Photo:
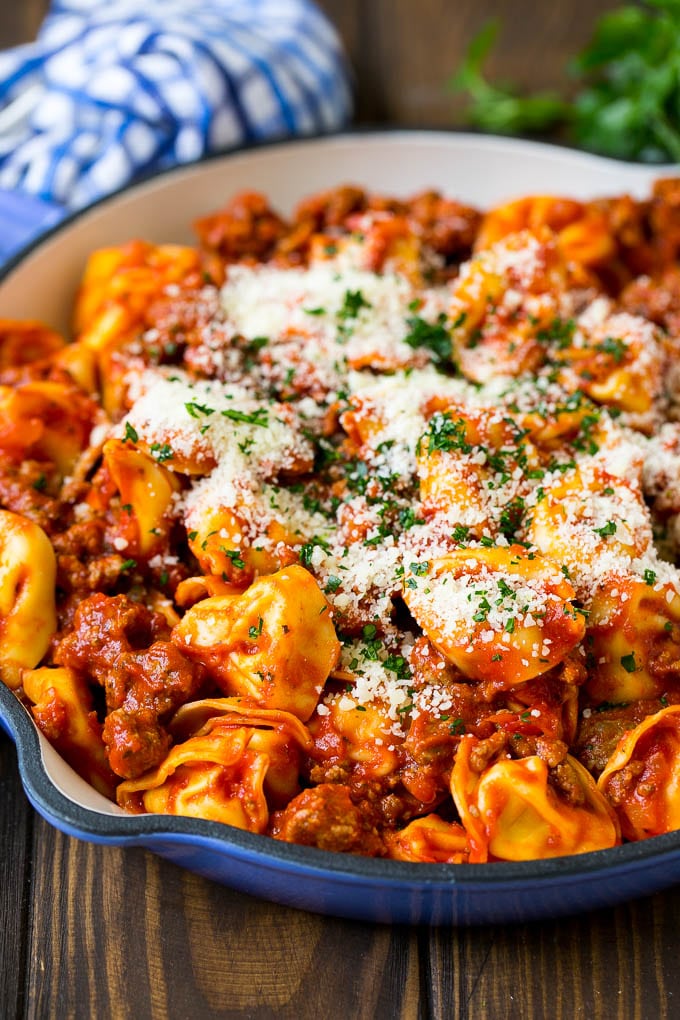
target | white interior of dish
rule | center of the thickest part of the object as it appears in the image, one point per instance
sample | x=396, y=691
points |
x=71, y=785
x=475, y=169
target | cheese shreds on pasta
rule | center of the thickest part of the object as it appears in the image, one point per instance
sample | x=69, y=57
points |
x=361, y=530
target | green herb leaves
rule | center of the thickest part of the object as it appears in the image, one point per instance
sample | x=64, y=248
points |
x=498, y=108
x=434, y=336
x=628, y=100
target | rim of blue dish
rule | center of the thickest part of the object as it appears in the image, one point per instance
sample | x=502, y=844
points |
x=147, y=830
x=356, y=131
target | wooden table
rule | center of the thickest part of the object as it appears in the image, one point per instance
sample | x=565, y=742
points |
x=87, y=931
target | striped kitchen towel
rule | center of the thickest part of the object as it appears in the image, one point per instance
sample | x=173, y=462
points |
x=114, y=89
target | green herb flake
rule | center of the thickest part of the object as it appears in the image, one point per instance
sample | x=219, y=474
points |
x=162, y=452
x=255, y=632
x=432, y=336
x=614, y=347
x=131, y=435
x=196, y=410
x=259, y=417
x=235, y=556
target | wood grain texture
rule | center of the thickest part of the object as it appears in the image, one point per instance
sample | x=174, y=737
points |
x=122, y=933
x=600, y=966
x=404, y=53
x=16, y=822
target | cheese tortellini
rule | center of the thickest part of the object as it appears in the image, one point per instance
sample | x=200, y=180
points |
x=498, y=614
x=358, y=529
x=27, y=599
x=275, y=643
x=518, y=809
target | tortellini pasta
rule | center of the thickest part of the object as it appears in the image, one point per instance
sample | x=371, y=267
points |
x=497, y=614
x=275, y=643
x=634, y=640
x=219, y=774
x=63, y=708
x=27, y=599
x=642, y=777
x=357, y=529
x=430, y=840
x=513, y=812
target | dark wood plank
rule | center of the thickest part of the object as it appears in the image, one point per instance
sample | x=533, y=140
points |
x=19, y=22
x=15, y=864
x=404, y=53
x=615, y=963
x=122, y=933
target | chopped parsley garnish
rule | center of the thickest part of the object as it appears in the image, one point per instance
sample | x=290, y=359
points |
x=255, y=632
x=560, y=332
x=433, y=336
x=628, y=662
x=512, y=518
x=650, y=577
x=130, y=433
x=257, y=343
x=446, y=434
x=352, y=304
x=408, y=519
x=584, y=441
x=397, y=664
x=606, y=706
x=162, y=452
x=259, y=417
x=235, y=556
x=306, y=551
x=614, y=347
x=607, y=529
x=195, y=409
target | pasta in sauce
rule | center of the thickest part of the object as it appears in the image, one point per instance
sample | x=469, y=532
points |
x=359, y=530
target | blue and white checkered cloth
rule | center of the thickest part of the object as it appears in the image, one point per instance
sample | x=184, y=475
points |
x=108, y=93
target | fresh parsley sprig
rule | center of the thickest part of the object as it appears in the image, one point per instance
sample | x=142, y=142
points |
x=627, y=101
